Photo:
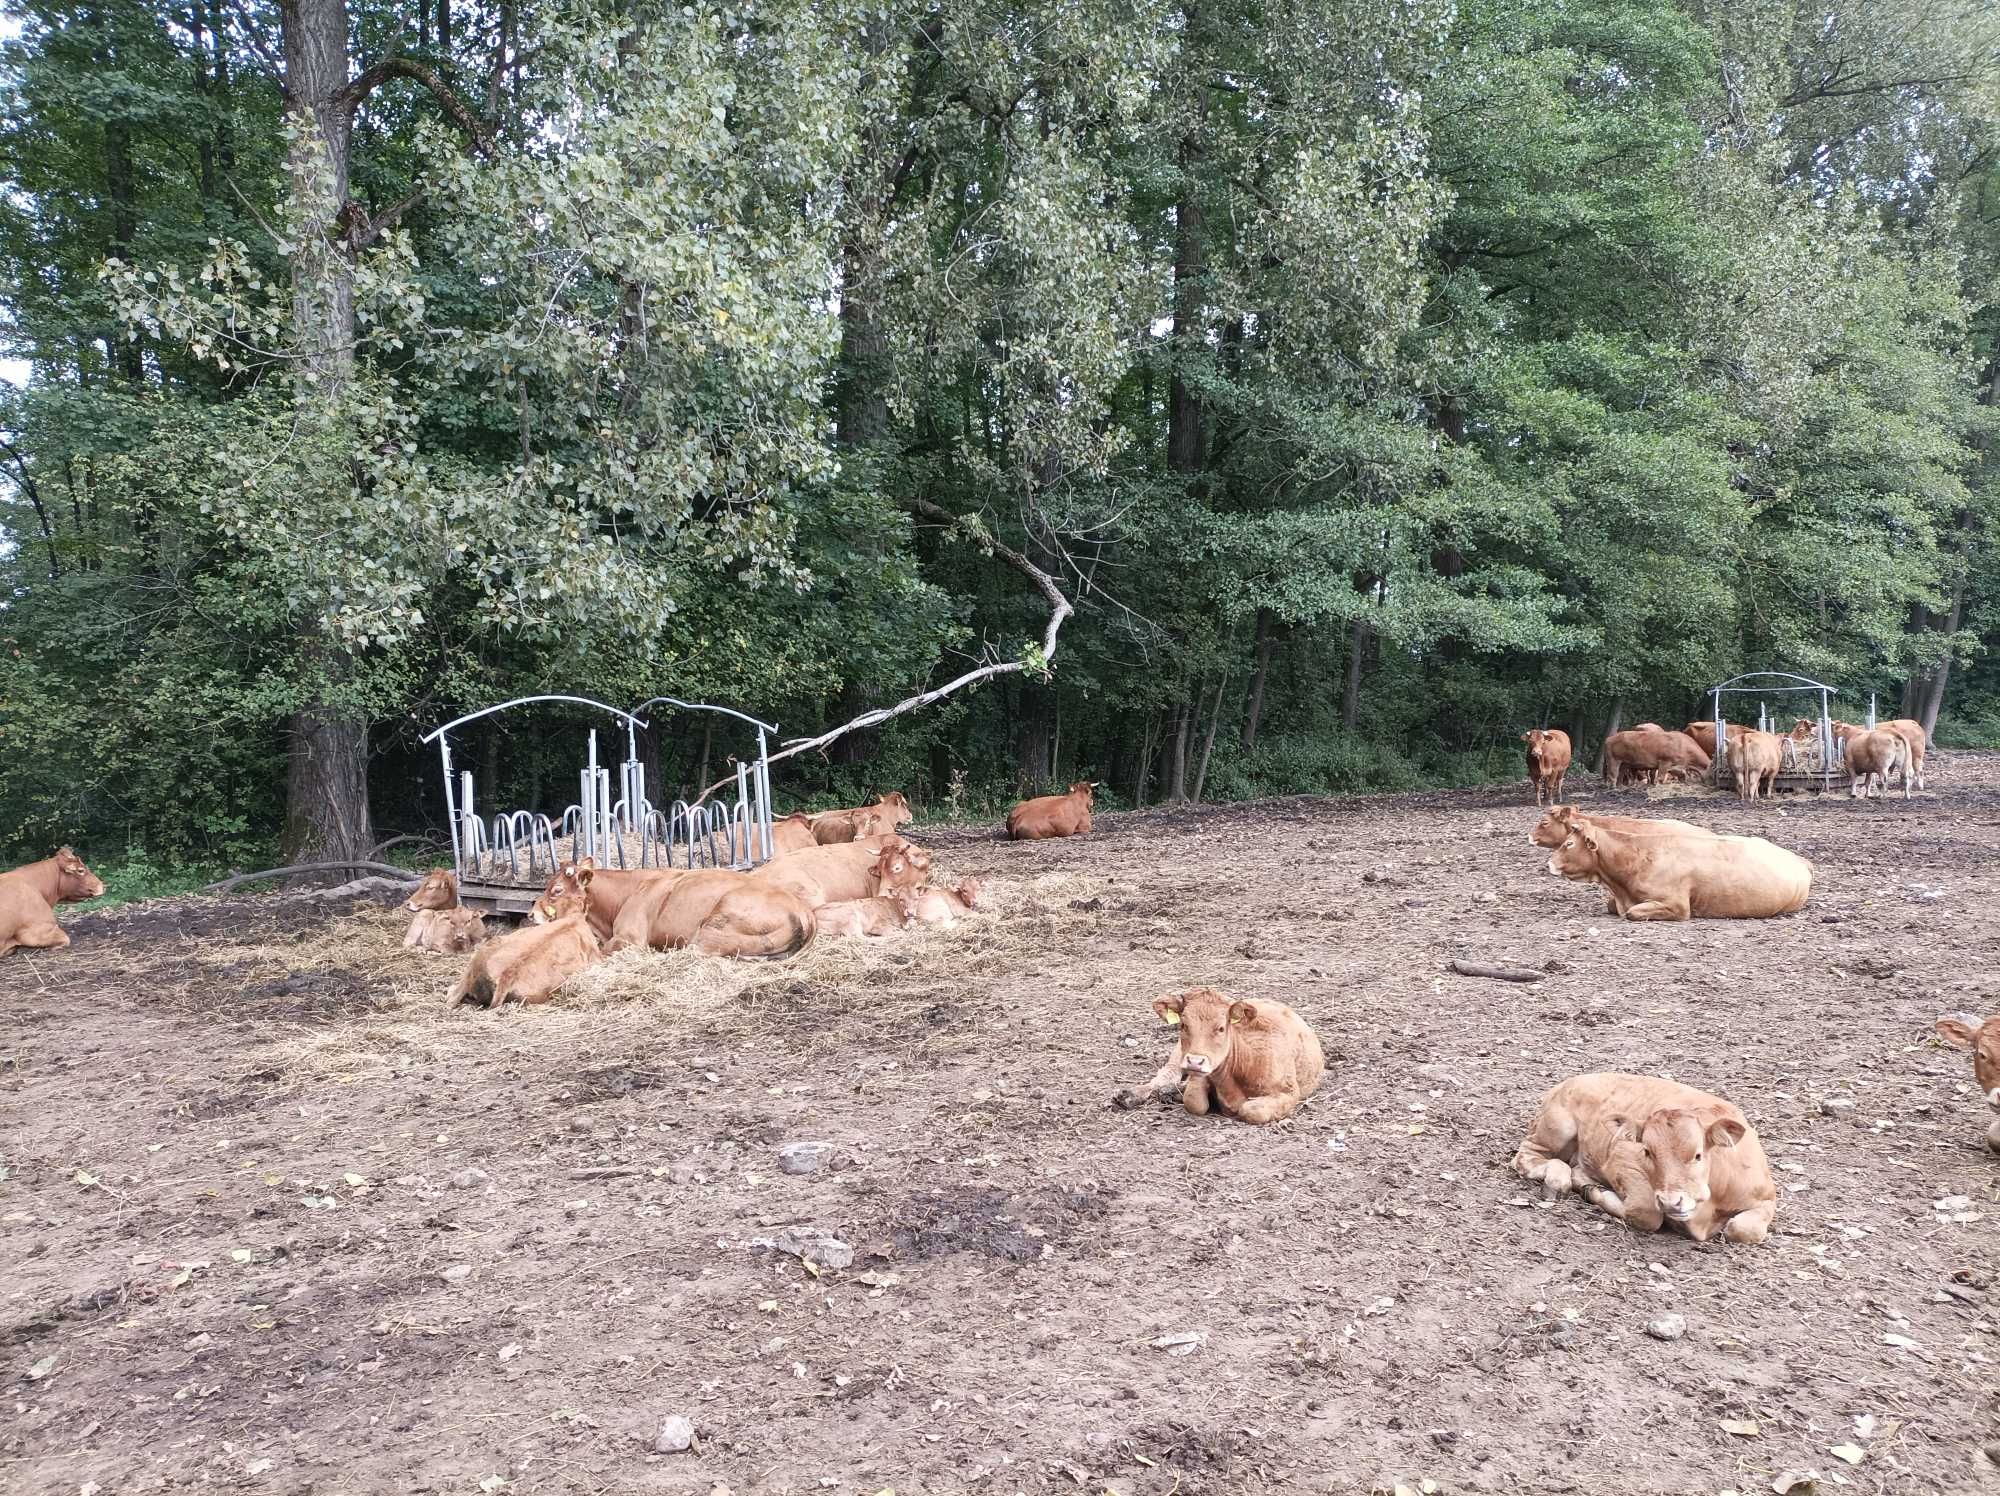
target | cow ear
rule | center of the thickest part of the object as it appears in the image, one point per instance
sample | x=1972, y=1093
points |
x=1242, y=1014
x=584, y=874
x=587, y=865
x=1588, y=840
x=1725, y=1132
x=1527, y=737
x=1169, y=1009
x=1956, y=1031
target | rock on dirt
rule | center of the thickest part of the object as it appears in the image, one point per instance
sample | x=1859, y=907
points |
x=469, y=1179
x=803, y=1158
x=676, y=1434
x=821, y=1248
x=1837, y=1106
x=1667, y=1327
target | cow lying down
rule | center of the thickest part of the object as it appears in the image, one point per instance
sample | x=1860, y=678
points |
x=890, y=913
x=1674, y=875
x=530, y=963
x=1257, y=1060
x=1652, y=1152
x=1983, y=1039
x=442, y=923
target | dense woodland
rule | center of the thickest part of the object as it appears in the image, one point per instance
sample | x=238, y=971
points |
x=1356, y=383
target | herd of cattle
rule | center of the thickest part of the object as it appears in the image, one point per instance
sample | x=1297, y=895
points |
x=1655, y=754
x=1646, y=1150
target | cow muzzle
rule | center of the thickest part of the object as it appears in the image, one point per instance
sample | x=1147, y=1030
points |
x=1677, y=1207
x=1200, y=1064
x=1993, y=1098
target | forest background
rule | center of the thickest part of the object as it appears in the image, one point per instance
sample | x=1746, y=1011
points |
x=1267, y=397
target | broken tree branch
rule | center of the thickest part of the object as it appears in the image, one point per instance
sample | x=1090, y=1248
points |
x=973, y=529
x=1498, y=973
x=449, y=99
x=402, y=873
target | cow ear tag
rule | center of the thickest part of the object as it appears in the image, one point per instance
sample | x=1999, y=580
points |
x=1170, y=1017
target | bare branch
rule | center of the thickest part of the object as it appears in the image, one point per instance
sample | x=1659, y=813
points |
x=34, y=493
x=449, y=99
x=1059, y=612
x=366, y=234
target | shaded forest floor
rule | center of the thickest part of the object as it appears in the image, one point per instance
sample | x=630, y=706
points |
x=275, y=1221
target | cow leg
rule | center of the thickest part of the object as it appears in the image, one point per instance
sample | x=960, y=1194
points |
x=1659, y=909
x=47, y=935
x=1753, y=1225
x=1162, y=1087
x=1195, y=1095
x=1542, y=1154
x=1993, y=1137
x=1265, y=1109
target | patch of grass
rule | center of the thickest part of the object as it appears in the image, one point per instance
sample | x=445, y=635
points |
x=138, y=877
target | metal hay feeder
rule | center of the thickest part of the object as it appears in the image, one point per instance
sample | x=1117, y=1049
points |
x=503, y=860
x=1822, y=767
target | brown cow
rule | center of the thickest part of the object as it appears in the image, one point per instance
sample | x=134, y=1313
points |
x=1873, y=759
x=606, y=892
x=1257, y=1060
x=829, y=875
x=1703, y=734
x=1912, y=734
x=1983, y=1039
x=1647, y=750
x=832, y=827
x=29, y=895
x=1048, y=816
x=1756, y=759
x=1563, y=821
x=931, y=905
x=885, y=914
x=442, y=923
x=1650, y=1151
x=720, y=912
x=1548, y=761
x=1677, y=877
x=530, y=963
x=792, y=833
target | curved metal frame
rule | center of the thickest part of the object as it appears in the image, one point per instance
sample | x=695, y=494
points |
x=1735, y=686
x=719, y=833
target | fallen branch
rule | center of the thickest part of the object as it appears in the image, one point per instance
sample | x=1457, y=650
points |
x=1498, y=973
x=1059, y=613
x=402, y=874
x=396, y=841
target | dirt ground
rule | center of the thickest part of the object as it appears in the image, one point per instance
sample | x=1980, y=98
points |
x=273, y=1220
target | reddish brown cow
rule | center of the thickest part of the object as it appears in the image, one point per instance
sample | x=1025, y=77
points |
x=1053, y=815
x=1548, y=761
x=1650, y=1151
x=1703, y=734
x=530, y=963
x=1257, y=1060
x=1911, y=733
x=1873, y=758
x=442, y=923
x=29, y=895
x=719, y=912
x=832, y=827
x=1647, y=750
x=1983, y=1039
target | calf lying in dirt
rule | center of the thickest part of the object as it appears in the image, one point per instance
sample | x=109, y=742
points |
x=1676, y=876
x=880, y=915
x=1652, y=1151
x=1983, y=1039
x=1256, y=1060
x=530, y=963
x=931, y=905
x=442, y=923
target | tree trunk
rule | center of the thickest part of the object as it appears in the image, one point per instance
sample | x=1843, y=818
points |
x=326, y=814
x=1610, y=726
x=1208, y=744
x=1141, y=781
x=444, y=25
x=1031, y=747
x=1358, y=638
x=1253, y=708
x=861, y=403
x=1177, y=762
x=1185, y=437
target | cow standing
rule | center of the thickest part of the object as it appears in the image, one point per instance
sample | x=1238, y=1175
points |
x=1548, y=761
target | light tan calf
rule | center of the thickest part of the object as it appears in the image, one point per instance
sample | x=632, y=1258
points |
x=1257, y=1060
x=1650, y=1152
x=442, y=923
x=1983, y=1039
x=885, y=914
x=931, y=905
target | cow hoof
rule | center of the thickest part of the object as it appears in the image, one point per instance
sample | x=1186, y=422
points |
x=1127, y=1100
x=1557, y=1180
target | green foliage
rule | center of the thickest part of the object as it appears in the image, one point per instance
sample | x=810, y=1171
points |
x=1419, y=372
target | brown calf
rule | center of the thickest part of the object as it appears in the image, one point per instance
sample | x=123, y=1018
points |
x=1983, y=1039
x=442, y=923
x=530, y=963
x=1257, y=1060
x=1053, y=815
x=1548, y=761
x=1650, y=1152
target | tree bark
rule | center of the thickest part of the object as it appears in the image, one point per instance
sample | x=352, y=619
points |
x=861, y=404
x=1253, y=708
x=1142, y=781
x=1177, y=763
x=1358, y=638
x=1610, y=726
x=1186, y=439
x=1208, y=744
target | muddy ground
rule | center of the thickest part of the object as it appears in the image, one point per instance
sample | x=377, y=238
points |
x=274, y=1221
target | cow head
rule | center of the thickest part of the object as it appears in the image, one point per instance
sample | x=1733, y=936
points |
x=568, y=892
x=1208, y=1022
x=1804, y=730
x=874, y=821
x=1556, y=827
x=1576, y=858
x=1676, y=1143
x=1085, y=790
x=907, y=901
x=74, y=881
x=968, y=893
x=439, y=890
x=894, y=810
x=901, y=865
x=1983, y=1039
